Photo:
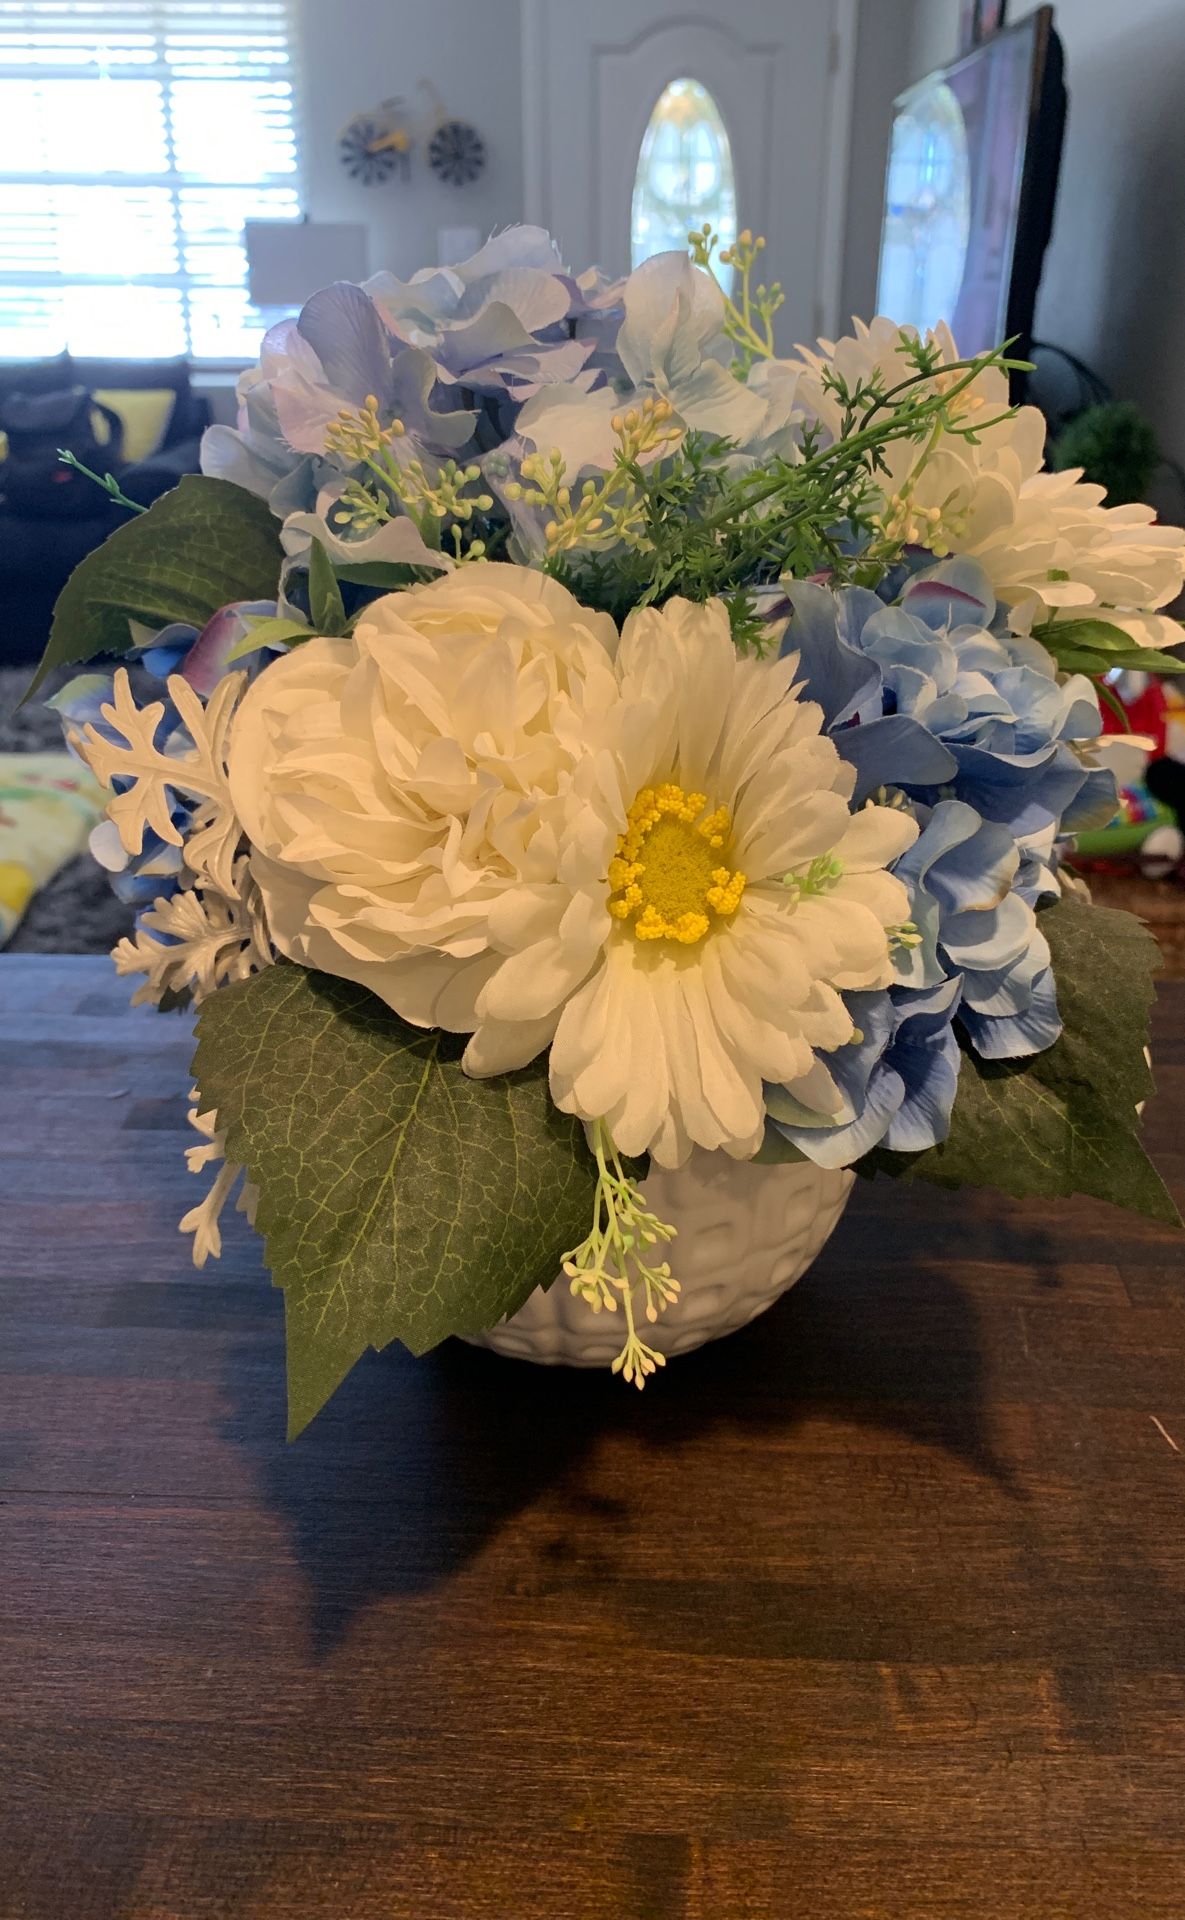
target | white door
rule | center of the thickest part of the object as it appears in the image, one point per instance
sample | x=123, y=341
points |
x=779, y=72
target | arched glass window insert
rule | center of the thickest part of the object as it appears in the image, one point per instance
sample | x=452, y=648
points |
x=927, y=211
x=684, y=176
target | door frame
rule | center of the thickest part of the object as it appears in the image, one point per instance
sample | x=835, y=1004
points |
x=738, y=73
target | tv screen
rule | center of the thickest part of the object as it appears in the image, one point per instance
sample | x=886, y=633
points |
x=969, y=191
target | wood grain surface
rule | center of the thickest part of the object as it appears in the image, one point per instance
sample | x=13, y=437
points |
x=875, y=1611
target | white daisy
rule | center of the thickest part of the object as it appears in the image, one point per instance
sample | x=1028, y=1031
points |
x=713, y=896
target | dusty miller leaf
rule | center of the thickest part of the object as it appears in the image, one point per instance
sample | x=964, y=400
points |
x=400, y=1200
x=1063, y=1121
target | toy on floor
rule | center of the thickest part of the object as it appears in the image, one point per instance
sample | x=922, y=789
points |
x=1147, y=829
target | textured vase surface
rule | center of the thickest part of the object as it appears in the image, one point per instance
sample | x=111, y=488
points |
x=745, y=1234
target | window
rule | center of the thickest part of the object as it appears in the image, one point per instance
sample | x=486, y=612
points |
x=136, y=136
x=684, y=176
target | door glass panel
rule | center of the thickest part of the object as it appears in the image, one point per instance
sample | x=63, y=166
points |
x=684, y=176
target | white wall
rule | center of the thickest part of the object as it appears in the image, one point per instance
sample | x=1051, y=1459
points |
x=882, y=68
x=354, y=55
x=1113, y=289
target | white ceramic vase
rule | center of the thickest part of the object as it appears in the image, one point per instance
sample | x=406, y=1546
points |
x=745, y=1234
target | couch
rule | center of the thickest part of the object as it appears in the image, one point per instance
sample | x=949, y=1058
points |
x=38, y=555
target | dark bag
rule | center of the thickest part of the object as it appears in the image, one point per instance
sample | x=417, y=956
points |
x=33, y=480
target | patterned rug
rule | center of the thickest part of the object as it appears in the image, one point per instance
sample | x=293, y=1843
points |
x=77, y=911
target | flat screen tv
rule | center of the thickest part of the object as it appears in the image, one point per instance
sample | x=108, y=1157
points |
x=970, y=188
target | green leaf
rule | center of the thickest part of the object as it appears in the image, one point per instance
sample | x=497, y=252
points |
x=1082, y=660
x=776, y=1151
x=1063, y=1121
x=1155, y=661
x=1101, y=636
x=1096, y=646
x=399, y=1199
x=1148, y=660
x=266, y=632
x=325, y=596
x=1110, y=698
x=1137, y=660
x=197, y=548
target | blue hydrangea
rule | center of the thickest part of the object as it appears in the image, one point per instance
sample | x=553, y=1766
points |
x=671, y=346
x=972, y=925
x=897, y=1079
x=925, y=697
x=972, y=731
x=976, y=958
x=452, y=353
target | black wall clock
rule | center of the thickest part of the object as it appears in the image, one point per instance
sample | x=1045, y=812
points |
x=375, y=146
x=456, y=153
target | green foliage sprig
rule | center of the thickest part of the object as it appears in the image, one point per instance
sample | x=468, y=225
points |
x=107, y=482
x=704, y=524
x=437, y=496
x=748, y=319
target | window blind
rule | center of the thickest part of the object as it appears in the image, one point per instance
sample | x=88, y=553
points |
x=136, y=136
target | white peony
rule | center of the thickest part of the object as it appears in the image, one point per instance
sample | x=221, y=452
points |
x=394, y=785
x=649, y=865
x=1045, y=540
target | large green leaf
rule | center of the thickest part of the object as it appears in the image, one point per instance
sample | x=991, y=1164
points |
x=200, y=546
x=1063, y=1121
x=400, y=1200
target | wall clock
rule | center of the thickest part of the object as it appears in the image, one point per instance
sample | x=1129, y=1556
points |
x=456, y=153
x=376, y=145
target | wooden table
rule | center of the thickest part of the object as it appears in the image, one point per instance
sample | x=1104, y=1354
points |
x=877, y=1609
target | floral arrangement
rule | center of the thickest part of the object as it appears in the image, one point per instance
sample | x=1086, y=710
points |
x=567, y=735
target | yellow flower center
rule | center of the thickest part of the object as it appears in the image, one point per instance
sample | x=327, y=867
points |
x=666, y=874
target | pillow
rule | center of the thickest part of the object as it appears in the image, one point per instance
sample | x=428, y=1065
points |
x=145, y=412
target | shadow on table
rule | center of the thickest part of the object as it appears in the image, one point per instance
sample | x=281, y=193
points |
x=416, y=1464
